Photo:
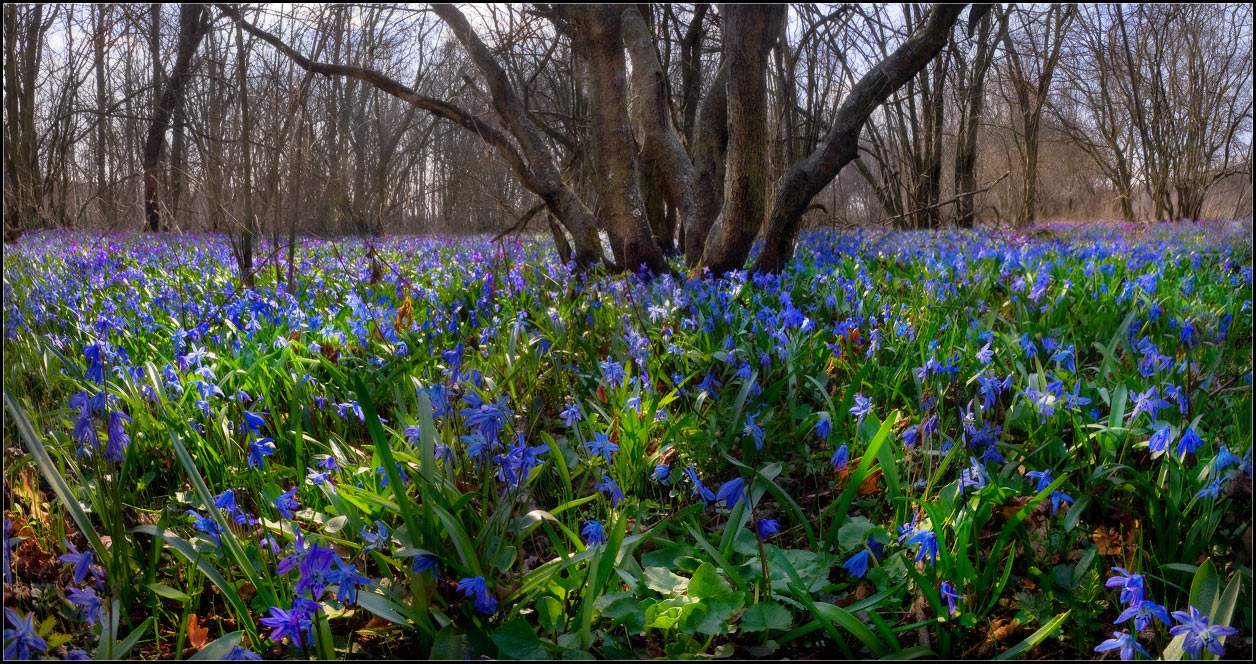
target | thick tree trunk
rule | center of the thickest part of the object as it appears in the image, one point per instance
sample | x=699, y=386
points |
x=193, y=24
x=664, y=161
x=756, y=28
x=23, y=207
x=840, y=145
x=709, y=149
x=614, y=150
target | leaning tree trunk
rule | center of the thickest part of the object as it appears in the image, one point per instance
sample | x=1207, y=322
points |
x=755, y=28
x=840, y=145
x=193, y=24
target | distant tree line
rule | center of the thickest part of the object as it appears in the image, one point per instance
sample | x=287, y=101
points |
x=638, y=128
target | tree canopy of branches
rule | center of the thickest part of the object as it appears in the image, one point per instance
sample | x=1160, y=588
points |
x=626, y=131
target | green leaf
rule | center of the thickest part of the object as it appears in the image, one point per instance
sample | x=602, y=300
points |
x=383, y=607
x=1205, y=586
x=517, y=640
x=853, y=533
x=217, y=649
x=716, y=596
x=664, y=582
x=51, y=475
x=1034, y=639
x=451, y=645
x=122, y=648
x=170, y=593
x=764, y=616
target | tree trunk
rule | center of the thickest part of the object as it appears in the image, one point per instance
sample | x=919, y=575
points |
x=973, y=96
x=709, y=149
x=248, y=233
x=101, y=14
x=840, y=145
x=193, y=24
x=614, y=150
x=756, y=28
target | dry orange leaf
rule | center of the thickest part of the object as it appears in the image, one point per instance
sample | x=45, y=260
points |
x=197, y=635
x=869, y=486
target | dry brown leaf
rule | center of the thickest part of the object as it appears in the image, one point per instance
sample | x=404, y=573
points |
x=197, y=635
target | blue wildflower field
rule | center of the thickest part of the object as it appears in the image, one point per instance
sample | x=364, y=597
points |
x=910, y=444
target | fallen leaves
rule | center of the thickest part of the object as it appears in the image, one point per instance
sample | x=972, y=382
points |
x=197, y=636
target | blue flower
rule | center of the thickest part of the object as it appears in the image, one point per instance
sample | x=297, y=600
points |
x=262, y=447
x=225, y=500
x=699, y=489
x=593, y=533
x=1126, y=642
x=662, y=472
x=347, y=580
x=1213, y=490
x=253, y=422
x=754, y=431
x=571, y=415
x=477, y=587
x=78, y=655
x=426, y=562
x=241, y=654
x=205, y=525
x=608, y=486
x=23, y=640
x=92, y=605
x=1131, y=585
x=732, y=492
x=316, y=570
x=824, y=425
x=602, y=445
x=82, y=562
x=840, y=458
x=928, y=542
x=863, y=405
x=1188, y=443
x=767, y=527
x=287, y=503
x=1160, y=436
x=374, y=540
x=290, y=623
x=950, y=593
x=1143, y=612
x=1225, y=458
x=1198, y=634
x=857, y=564
x=118, y=438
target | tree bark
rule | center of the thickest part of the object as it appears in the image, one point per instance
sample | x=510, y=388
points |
x=973, y=95
x=709, y=149
x=756, y=28
x=619, y=194
x=840, y=145
x=193, y=24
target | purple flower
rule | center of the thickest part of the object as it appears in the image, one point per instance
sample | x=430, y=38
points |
x=928, y=542
x=206, y=525
x=241, y=654
x=118, y=438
